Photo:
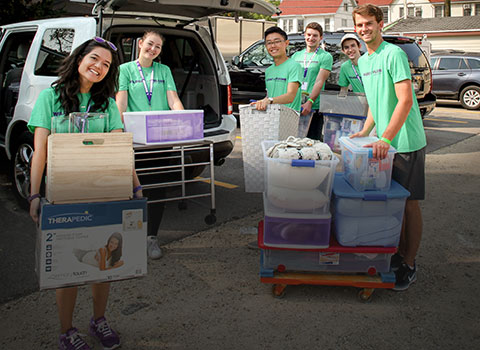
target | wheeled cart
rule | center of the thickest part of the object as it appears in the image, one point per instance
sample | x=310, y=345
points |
x=177, y=165
x=367, y=268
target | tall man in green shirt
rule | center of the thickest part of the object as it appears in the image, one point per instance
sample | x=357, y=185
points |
x=349, y=71
x=283, y=77
x=394, y=111
x=317, y=65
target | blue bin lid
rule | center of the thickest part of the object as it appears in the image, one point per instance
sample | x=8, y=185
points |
x=342, y=188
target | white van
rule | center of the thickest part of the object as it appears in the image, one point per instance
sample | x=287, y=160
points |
x=31, y=52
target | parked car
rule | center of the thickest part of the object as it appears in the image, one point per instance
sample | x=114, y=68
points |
x=31, y=52
x=456, y=76
x=247, y=70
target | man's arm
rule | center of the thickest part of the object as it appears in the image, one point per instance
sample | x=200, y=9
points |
x=322, y=76
x=403, y=90
x=286, y=98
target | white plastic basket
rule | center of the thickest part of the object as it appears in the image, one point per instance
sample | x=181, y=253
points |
x=276, y=123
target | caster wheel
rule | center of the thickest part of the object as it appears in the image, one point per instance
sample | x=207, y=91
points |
x=278, y=290
x=182, y=205
x=365, y=295
x=210, y=219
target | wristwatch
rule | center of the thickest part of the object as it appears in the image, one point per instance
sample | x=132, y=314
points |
x=270, y=100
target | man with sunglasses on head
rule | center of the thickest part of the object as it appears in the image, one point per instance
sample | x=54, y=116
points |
x=316, y=64
x=283, y=77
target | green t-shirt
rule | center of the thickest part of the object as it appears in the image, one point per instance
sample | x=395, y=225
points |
x=314, y=62
x=278, y=77
x=349, y=77
x=380, y=71
x=48, y=106
x=131, y=81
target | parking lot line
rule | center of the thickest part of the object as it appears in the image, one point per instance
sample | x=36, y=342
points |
x=221, y=184
x=445, y=121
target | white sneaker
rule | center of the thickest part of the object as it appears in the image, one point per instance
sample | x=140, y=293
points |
x=153, y=250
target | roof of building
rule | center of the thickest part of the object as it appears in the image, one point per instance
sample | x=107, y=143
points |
x=308, y=7
x=376, y=2
x=432, y=25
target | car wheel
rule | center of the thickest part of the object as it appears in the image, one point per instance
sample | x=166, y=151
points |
x=470, y=97
x=20, y=168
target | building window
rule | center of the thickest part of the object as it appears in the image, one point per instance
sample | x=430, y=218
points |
x=327, y=24
x=345, y=6
x=385, y=14
x=438, y=11
x=418, y=12
x=401, y=13
x=410, y=11
x=477, y=10
x=344, y=22
x=300, y=25
x=289, y=25
x=467, y=9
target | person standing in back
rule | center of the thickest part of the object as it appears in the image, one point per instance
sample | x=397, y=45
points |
x=349, y=71
x=316, y=64
x=394, y=111
x=283, y=77
x=146, y=85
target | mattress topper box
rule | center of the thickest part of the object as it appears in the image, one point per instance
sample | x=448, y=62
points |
x=91, y=242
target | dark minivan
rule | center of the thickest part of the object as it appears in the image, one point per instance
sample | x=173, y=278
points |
x=247, y=70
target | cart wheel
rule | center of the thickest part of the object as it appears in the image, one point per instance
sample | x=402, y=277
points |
x=210, y=219
x=278, y=290
x=365, y=295
x=182, y=205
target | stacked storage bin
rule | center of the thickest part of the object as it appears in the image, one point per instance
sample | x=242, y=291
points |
x=297, y=210
x=367, y=223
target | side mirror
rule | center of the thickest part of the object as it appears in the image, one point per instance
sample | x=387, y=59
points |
x=236, y=61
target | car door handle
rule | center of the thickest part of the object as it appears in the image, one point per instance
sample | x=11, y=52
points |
x=461, y=74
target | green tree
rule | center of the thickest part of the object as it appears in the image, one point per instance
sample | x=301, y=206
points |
x=250, y=15
x=12, y=11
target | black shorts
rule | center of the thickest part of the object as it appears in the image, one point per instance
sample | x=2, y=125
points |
x=409, y=171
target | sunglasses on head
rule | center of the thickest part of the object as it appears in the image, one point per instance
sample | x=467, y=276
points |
x=102, y=40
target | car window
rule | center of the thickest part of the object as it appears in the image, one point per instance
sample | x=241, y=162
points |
x=414, y=53
x=433, y=60
x=257, y=57
x=449, y=63
x=473, y=63
x=56, y=45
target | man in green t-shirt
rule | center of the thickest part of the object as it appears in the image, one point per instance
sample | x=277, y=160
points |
x=349, y=71
x=317, y=65
x=394, y=111
x=283, y=77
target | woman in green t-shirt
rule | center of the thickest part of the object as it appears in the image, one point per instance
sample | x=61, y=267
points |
x=146, y=85
x=87, y=79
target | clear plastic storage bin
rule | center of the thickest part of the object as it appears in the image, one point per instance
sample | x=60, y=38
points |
x=297, y=233
x=298, y=186
x=337, y=125
x=335, y=258
x=363, y=171
x=79, y=122
x=369, y=218
x=164, y=126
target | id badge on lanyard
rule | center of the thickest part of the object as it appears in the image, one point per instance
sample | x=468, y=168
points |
x=304, y=86
x=148, y=92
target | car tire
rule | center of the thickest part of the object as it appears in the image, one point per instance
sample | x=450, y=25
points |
x=470, y=97
x=20, y=168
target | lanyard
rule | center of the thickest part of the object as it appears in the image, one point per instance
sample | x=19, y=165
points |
x=305, y=65
x=147, y=91
x=356, y=73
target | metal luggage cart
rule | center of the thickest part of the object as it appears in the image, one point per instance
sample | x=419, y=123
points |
x=173, y=165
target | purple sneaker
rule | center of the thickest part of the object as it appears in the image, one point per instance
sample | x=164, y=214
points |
x=72, y=340
x=102, y=331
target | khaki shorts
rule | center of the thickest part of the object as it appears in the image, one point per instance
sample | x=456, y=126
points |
x=409, y=171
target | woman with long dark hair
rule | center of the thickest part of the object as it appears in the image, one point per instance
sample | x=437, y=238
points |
x=87, y=80
x=106, y=257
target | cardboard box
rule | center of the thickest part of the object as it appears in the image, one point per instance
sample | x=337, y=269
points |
x=73, y=238
x=155, y=127
x=89, y=167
